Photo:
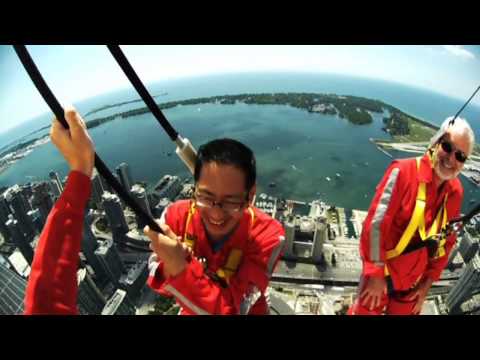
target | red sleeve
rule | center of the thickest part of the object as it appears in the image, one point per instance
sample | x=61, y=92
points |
x=199, y=293
x=436, y=265
x=379, y=220
x=52, y=285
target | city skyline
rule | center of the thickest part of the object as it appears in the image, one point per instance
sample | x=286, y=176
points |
x=449, y=70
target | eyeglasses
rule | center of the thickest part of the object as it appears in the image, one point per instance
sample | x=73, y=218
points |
x=448, y=148
x=230, y=207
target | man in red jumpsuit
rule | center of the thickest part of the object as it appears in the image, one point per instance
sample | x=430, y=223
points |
x=234, y=246
x=221, y=260
x=396, y=280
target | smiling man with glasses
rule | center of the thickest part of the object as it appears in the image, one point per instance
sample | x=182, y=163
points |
x=218, y=251
x=414, y=201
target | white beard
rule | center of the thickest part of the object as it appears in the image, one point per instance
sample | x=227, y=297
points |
x=442, y=175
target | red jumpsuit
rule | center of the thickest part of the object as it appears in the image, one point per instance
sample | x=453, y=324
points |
x=52, y=286
x=261, y=244
x=387, y=219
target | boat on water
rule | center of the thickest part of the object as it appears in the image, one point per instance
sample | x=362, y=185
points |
x=327, y=178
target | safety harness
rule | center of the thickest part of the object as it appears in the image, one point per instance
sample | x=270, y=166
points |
x=224, y=273
x=417, y=222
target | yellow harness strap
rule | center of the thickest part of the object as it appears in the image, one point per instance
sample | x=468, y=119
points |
x=418, y=222
x=234, y=257
x=188, y=238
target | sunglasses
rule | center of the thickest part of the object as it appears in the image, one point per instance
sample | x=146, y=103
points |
x=448, y=148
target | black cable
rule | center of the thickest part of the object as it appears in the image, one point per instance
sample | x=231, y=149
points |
x=463, y=107
x=57, y=109
x=142, y=91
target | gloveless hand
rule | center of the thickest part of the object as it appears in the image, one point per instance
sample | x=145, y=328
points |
x=74, y=143
x=168, y=249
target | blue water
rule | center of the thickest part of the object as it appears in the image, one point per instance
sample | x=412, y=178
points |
x=295, y=149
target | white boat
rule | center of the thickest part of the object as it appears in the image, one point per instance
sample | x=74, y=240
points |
x=328, y=179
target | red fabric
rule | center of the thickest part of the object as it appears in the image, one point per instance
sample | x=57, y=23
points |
x=388, y=306
x=406, y=269
x=201, y=292
x=52, y=285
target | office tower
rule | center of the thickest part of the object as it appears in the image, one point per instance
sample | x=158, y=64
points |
x=319, y=237
x=169, y=186
x=110, y=259
x=161, y=206
x=90, y=299
x=37, y=220
x=20, y=239
x=12, y=292
x=123, y=172
x=465, y=287
x=115, y=215
x=119, y=304
x=97, y=190
x=42, y=200
x=140, y=196
x=135, y=279
x=56, y=184
x=89, y=246
x=468, y=247
x=290, y=237
x=20, y=207
x=4, y=212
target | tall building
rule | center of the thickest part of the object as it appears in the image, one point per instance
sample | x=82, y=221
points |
x=135, y=279
x=169, y=186
x=465, y=287
x=97, y=190
x=468, y=247
x=90, y=299
x=89, y=246
x=20, y=207
x=119, y=304
x=106, y=186
x=140, y=195
x=56, y=184
x=319, y=237
x=110, y=259
x=290, y=237
x=123, y=172
x=160, y=207
x=4, y=212
x=12, y=292
x=37, y=220
x=20, y=239
x=114, y=212
x=42, y=200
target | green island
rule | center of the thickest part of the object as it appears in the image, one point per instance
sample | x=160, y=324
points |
x=355, y=109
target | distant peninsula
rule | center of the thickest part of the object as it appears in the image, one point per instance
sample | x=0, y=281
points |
x=357, y=110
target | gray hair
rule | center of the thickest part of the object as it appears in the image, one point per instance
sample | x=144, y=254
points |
x=460, y=126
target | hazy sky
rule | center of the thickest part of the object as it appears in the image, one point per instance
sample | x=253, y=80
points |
x=77, y=72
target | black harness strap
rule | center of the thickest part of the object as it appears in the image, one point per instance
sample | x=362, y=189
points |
x=142, y=91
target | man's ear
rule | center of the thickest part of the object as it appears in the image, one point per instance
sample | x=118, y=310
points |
x=251, y=194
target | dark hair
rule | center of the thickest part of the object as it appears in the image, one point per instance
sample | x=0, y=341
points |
x=228, y=152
